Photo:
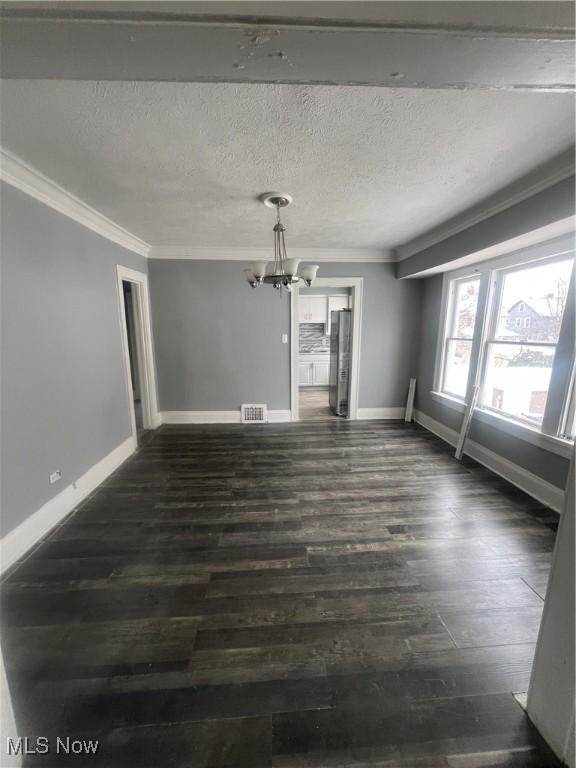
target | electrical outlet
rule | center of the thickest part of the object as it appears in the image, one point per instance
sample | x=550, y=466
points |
x=55, y=476
x=284, y=338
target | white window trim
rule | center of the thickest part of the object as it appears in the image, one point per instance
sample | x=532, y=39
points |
x=446, y=314
x=559, y=445
x=554, y=249
x=568, y=414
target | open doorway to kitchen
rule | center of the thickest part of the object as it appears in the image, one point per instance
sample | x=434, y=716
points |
x=325, y=346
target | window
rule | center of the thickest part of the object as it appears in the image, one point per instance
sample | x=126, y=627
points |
x=519, y=363
x=510, y=350
x=458, y=347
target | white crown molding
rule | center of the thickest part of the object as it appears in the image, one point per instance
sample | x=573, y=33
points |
x=237, y=253
x=535, y=182
x=534, y=486
x=19, y=174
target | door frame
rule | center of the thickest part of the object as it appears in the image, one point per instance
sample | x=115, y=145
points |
x=144, y=348
x=356, y=284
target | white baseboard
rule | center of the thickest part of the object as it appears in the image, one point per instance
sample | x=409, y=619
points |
x=381, y=413
x=534, y=486
x=215, y=417
x=18, y=541
x=277, y=416
x=439, y=429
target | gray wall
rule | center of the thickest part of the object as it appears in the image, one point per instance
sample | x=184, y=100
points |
x=218, y=342
x=390, y=332
x=551, y=205
x=547, y=465
x=63, y=401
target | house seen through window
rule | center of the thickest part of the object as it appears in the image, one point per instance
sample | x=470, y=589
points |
x=511, y=354
x=520, y=357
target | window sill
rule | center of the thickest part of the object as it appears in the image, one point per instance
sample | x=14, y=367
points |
x=449, y=401
x=557, y=445
x=523, y=432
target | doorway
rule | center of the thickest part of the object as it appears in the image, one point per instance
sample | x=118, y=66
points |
x=129, y=291
x=138, y=354
x=324, y=370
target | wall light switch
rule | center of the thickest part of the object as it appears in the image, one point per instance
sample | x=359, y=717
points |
x=55, y=476
x=284, y=338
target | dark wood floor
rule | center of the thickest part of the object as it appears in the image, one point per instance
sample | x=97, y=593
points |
x=317, y=595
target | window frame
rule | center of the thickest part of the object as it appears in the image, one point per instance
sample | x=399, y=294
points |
x=450, y=322
x=568, y=415
x=550, y=433
x=492, y=314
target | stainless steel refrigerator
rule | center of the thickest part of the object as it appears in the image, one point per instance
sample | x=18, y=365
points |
x=340, y=358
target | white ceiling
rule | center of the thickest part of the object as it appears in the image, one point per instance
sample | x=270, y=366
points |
x=183, y=164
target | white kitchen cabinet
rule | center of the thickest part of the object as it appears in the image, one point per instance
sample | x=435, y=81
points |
x=314, y=371
x=303, y=309
x=312, y=309
x=317, y=309
x=322, y=373
x=305, y=374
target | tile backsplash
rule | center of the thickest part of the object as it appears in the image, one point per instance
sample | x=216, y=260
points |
x=313, y=339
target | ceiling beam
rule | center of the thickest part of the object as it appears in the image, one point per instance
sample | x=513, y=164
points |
x=232, y=51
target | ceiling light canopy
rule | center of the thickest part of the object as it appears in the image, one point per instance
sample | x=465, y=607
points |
x=282, y=272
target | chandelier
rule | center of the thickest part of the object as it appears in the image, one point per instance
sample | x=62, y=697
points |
x=282, y=272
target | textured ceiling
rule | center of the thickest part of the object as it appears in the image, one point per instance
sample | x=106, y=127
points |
x=183, y=164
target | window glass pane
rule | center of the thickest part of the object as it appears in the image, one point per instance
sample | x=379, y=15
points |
x=532, y=302
x=516, y=380
x=456, y=367
x=465, y=303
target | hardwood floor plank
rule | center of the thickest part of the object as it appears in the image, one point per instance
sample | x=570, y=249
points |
x=493, y=627
x=315, y=595
x=367, y=725
x=230, y=743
